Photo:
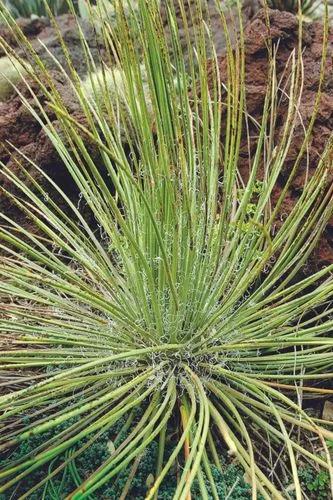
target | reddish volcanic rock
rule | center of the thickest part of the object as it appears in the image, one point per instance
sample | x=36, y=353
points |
x=283, y=32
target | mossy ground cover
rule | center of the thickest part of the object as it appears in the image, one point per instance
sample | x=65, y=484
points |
x=229, y=479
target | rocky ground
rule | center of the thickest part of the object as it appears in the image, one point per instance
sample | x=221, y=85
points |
x=19, y=127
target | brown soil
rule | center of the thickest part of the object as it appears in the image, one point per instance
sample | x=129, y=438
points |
x=18, y=126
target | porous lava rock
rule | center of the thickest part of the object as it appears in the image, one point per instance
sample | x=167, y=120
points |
x=282, y=30
x=18, y=127
x=41, y=34
x=31, y=28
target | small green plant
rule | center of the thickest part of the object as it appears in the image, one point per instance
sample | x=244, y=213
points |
x=180, y=314
x=104, y=10
x=315, y=483
x=10, y=75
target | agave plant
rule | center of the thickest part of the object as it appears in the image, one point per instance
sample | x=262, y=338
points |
x=26, y=8
x=180, y=317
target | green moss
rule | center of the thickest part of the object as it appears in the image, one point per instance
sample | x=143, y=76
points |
x=229, y=481
x=81, y=467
